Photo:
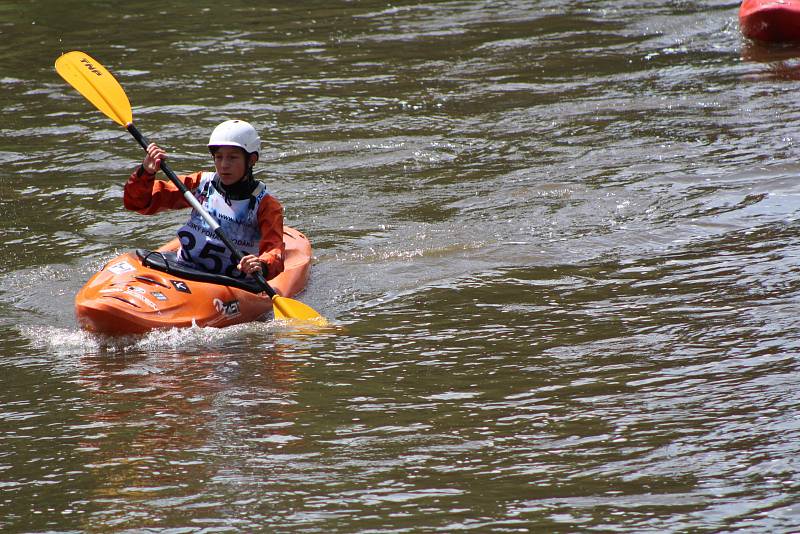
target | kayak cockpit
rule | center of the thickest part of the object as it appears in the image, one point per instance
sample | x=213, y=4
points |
x=167, y=262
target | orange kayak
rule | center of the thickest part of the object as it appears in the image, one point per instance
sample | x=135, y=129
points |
x=145, y=290
x=770, y=20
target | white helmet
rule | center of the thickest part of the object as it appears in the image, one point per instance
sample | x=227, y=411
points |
x=236, y=133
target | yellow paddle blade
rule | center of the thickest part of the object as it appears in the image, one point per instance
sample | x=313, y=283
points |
x=93, y=81
x=286, y=308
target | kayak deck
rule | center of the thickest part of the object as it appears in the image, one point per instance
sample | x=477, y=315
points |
x=132, y=296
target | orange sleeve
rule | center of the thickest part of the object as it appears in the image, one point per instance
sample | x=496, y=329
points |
x=145, y=194
x=271, y=248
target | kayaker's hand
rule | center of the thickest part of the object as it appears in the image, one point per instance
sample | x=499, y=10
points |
x=249, y=264
x=152, y=161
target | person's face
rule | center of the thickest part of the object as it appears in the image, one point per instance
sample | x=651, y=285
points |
x=231, y=163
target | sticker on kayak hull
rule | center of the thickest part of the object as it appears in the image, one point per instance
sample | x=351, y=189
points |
x=229, y=309
x=121, y=268
x=181, y=286
x=159, y=295
x=133, y=292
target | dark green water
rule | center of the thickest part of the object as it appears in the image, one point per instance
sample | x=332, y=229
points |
x=559, y=242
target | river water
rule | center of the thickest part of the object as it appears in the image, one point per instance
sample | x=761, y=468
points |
x=558, y=243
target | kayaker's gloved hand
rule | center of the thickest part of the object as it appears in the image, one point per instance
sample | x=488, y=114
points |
x=152, y=161
x=249, y=264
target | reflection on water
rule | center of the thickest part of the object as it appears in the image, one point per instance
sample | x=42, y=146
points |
x=558, y=243
x=135, y=420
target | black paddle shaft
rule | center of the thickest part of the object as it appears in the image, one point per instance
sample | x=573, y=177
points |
x=142, y=140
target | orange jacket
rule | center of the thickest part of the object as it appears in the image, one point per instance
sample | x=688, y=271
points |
x=146, y=195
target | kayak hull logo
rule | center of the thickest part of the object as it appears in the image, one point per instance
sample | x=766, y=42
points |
x=181, y=286
x=228, y=309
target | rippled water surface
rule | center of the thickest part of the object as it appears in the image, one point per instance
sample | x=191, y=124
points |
x=558, y=243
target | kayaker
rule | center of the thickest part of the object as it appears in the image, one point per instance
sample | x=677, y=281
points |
x=247, y=213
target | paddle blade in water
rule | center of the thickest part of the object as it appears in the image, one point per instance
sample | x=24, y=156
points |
x=286, y=308
x=94, y=82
